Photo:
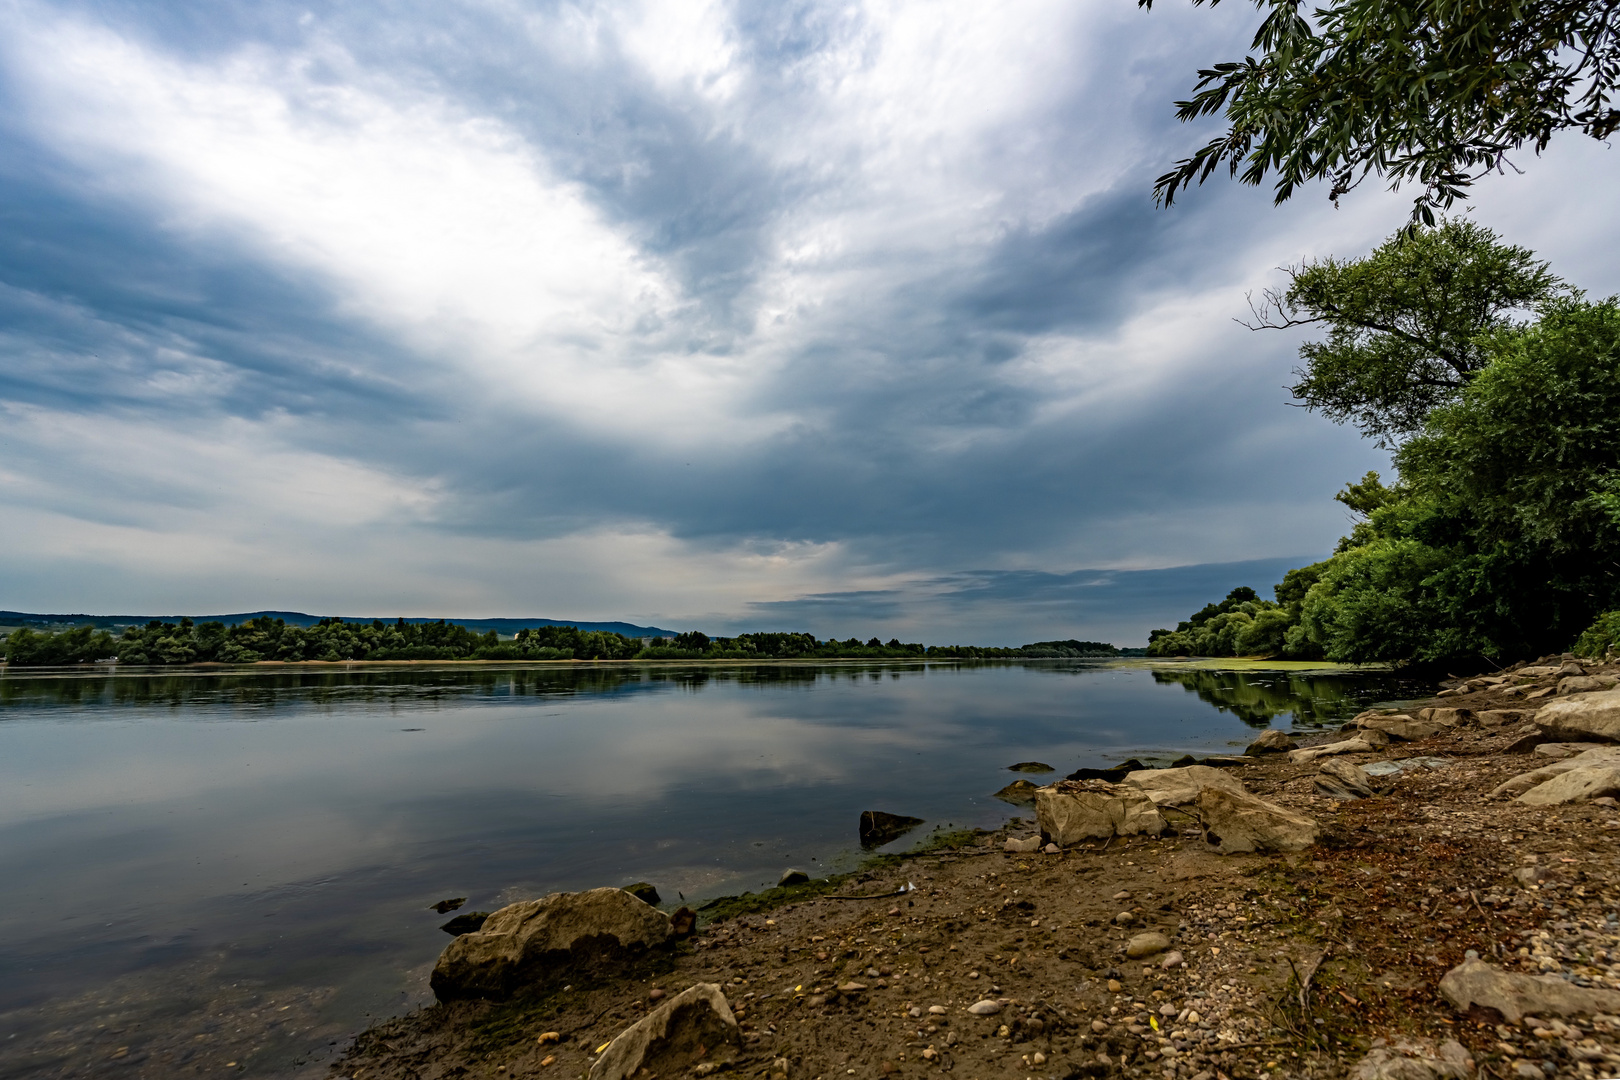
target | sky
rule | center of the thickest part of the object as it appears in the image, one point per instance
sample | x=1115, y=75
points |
x=849, y=317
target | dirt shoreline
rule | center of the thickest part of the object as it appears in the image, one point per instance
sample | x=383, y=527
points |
x=1295, y=965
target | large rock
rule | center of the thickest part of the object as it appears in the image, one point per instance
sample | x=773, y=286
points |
x=1271, y=741
x=1180, y=787
x=1474, y=982
x=1073, y=810
x=1414, y=1061
x=1576, y=785
x=1019, y=792
x=1594, y=717
x=878, y=827
x=1398, y=727
x=1518, y=785
x=537, y=940
x=1340, y=779
x=1306, y=754
x=693, y=1026
x=1585, y=684
x=1446, y=717
x=1244, y=823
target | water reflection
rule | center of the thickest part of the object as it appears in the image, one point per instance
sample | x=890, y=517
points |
x=250, y=855
x=1309, y=699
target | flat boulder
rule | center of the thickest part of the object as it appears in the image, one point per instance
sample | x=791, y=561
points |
x=1515, y=996
x=1585, y=684
x=1271, y=741
x=1307, y=754
x=1399, y=727
x=536, y=940
x=1238, y=823
x=694, y=1026
x=1340, y=779
x=1180, y=787
x=1070, y=811
x=1584, y=717
x=1576, y=785
x=1518, y=785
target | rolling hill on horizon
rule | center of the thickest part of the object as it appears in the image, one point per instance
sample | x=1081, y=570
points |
x=299, y=618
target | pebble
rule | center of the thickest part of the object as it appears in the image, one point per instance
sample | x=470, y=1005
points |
x=1146, y=945
x=1124, y=918
x=985, y=1007
x=1114, y=986
x=851, y=988
x=1099, y=1026
x=938, y=1010
x=1172, y=959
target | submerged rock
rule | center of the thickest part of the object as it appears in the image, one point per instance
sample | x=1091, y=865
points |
x=1112, y=775
x=536, y=940
x=445, y=907
x=1018, y=792
x=644, y=892
x=465, y=924
x=1032, y=766
x=878, y=828
x=696, y=1025
x=792, y=877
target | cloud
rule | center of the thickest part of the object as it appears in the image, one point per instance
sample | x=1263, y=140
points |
x=696, y=312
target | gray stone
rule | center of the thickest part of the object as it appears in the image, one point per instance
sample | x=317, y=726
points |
x=1561, y=750
x=1306, y=754
x=1180, y=787
x=693, y=1026
x=1518, y=785
x=1246, y=823
x=1271, y=741
x=1149, y=944
x=1028, y=843
x=1399, y=727
x=792, y=877
x=535, y=940
x=1584, y=684
x=1172, y=959
x=1416, y=1061
x=987, y=1007
x=1583, y=716
x=1073, y=810
x=1019, y=792
x=1339, y=779
x=878, y=827
x=1576, y=785
x=1474, y=982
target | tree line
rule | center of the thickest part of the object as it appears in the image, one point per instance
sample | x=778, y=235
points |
x=1499, y=537
x=332, y=640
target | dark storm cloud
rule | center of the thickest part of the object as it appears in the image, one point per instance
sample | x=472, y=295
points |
x=901, y=416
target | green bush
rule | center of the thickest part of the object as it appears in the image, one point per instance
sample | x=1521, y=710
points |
x=1602, y=637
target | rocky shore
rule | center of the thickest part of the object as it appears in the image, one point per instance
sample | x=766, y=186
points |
x=1426, y=894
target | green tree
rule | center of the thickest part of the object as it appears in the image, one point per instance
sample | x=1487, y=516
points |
x=1404, y=325
x=1430, y=92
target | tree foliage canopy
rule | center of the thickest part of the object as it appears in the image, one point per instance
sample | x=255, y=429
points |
x=1430, y=92
x=1404, y=324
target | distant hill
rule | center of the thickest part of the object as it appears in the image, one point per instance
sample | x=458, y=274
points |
x=504, y=627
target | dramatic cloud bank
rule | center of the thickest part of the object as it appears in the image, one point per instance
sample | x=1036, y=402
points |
x=850, y=318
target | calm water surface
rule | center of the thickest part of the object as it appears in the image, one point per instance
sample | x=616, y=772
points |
x=233, y=870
